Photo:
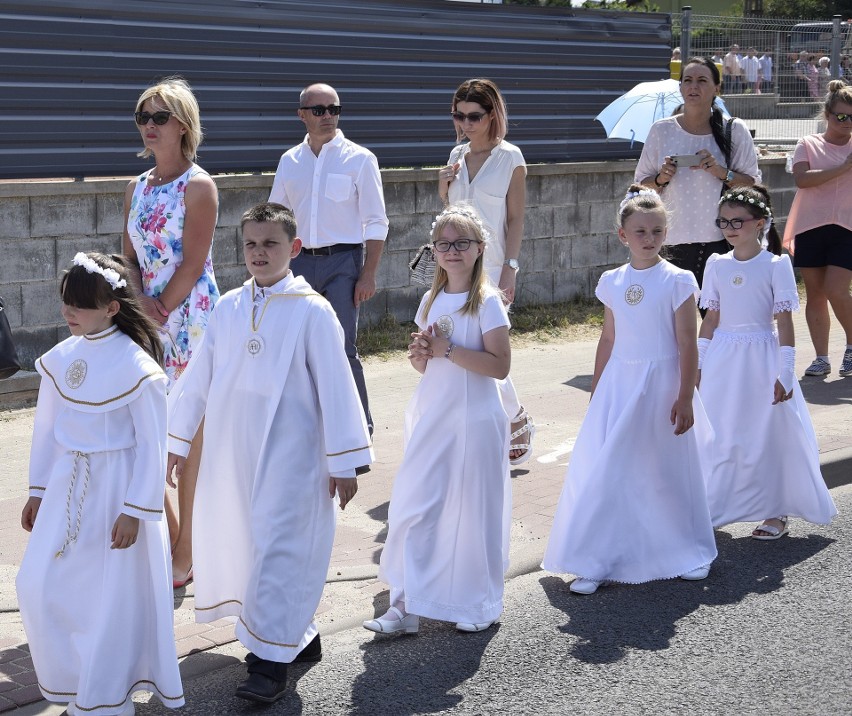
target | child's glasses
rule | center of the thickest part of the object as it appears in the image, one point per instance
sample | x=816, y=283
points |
x=160, y=118
x=733, y=223
x=443, y=246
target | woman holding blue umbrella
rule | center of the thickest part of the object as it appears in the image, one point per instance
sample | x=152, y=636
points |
x=688, y=158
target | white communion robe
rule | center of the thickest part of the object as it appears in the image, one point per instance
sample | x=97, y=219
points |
x=765, y=460
x=450, y=509
x=99, y=621
x=634, y=507
x=281, y=414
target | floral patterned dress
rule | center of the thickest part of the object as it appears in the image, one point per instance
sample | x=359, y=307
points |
x=155, y=227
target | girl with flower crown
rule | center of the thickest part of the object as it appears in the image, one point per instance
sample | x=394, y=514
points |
x=765, y=459
x=633, y=508
x=450, y=509
x=93, y=585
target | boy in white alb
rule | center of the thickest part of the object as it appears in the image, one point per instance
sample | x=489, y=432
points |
x=283, y=431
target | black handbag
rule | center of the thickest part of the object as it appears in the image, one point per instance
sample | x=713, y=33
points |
x=725, y=185
x=9, y=363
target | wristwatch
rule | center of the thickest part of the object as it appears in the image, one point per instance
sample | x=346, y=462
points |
x=512, y=264
x=729, y=177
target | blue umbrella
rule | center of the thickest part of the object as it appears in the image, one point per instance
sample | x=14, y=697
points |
x=631, y=115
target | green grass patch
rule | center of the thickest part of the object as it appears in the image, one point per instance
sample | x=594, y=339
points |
x=573, y=320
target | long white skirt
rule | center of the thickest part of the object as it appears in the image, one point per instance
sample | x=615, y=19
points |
x=100, y=621
x=633, y=508
x=765, y=457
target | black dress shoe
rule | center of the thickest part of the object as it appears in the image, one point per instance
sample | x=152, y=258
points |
x=362, y=470
x=266, y=682
x=311, y=653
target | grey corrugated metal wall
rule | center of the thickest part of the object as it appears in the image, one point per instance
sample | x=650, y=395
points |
x=72, y=70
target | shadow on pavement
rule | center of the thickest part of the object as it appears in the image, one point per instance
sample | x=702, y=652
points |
x=580, y=382
x=380, y=514
x=818, y=391
x=619, y=618
x=405, y=675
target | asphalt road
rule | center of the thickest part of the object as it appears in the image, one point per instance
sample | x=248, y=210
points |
x=769, y=632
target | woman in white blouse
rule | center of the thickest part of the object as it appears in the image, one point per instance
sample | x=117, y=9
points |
x=691, y=193
x=490, y=173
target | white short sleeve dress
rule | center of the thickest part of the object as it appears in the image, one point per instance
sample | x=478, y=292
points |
x=634, y=508
x=765, y=461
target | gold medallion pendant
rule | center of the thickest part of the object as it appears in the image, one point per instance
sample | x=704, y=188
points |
x=254, y=345
x=634, y=294
x=738, y=280
x=76, y=373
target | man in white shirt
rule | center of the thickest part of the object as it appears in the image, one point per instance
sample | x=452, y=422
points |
x=731, y=71
x=749, y=66
x=334, y=188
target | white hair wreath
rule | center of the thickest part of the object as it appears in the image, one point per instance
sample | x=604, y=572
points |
x=467, y=213
x=743, y=199
x=111, y=276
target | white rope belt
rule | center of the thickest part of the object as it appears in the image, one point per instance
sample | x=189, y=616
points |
x=73, y=529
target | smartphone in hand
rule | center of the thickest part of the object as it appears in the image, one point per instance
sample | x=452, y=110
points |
x=686, y=160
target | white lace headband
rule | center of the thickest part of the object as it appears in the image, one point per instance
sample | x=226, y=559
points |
x=111, y=276
x=467, y=214
x=743, y=199
x=633, y=194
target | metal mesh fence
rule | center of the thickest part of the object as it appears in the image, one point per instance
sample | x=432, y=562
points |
x=774, y=71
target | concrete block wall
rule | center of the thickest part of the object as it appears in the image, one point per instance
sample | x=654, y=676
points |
x=569, y=236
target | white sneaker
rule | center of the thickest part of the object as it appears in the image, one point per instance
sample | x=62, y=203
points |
x=695, y=575
x=582, y=585
x=392, y=621
x=473, y=626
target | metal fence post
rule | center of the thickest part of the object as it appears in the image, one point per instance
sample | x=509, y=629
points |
x=685, y=39
x=835, y=47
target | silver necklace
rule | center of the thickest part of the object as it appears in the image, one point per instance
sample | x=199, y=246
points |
x=635, y=291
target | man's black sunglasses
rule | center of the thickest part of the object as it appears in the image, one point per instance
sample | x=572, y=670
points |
x=160, y=118
x=318, y=110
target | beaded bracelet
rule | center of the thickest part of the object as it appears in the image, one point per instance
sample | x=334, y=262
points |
x=449, y=353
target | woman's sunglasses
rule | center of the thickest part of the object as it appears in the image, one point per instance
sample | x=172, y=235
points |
x=160, y=118
x=318, y=110
x=473, y=117
x=842, y=117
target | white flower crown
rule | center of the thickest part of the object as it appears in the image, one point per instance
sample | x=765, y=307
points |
x=467, y=214
x=111, y=276
x=742, y=198
x=633, y=194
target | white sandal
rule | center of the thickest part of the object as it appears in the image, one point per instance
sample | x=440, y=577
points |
x=774, y=532
x=527, y=428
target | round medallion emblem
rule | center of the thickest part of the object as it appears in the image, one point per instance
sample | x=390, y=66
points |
x=254, y=345
x=76, y=373
x=445, y=326
x=634, y=294
x=738, y=280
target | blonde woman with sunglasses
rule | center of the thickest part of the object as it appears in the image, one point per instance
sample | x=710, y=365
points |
x=170, y=214
x=819, y=228
x=490, y=173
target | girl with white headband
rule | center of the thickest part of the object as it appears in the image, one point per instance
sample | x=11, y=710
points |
x=633, y=508
x=93, y=587
x=765, y=459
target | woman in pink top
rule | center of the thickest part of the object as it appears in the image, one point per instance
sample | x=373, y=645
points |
x=819, y=228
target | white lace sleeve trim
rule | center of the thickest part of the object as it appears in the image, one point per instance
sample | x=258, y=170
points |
x=711, y=304
x=785, y=306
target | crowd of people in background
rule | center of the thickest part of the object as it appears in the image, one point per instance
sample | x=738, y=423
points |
x=801, y=75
